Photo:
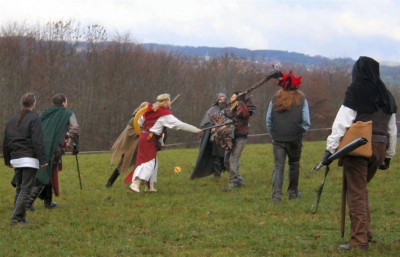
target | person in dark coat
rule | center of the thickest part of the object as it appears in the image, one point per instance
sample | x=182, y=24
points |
x=23, y=150
x=210, y=159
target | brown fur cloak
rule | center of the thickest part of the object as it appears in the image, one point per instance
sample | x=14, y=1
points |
x=126, y=145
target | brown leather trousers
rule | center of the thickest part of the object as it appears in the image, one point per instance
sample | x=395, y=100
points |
x=358, y=172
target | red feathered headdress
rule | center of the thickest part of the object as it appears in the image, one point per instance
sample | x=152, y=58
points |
x=289, y=82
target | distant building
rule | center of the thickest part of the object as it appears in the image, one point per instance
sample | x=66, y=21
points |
x=80, y=49
x=207, y=57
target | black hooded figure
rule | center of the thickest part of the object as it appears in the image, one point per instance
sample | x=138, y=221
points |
x=210, y=159
x=366, y=99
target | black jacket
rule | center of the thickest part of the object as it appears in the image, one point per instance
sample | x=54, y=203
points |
x=26, y=140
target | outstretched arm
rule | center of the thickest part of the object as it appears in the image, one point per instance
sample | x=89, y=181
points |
x=170, y=121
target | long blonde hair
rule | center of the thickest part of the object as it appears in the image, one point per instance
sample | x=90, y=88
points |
x=285, y=99
x=161, y=100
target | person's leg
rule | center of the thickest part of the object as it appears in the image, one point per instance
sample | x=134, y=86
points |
x=112, y=178
x=234, y=161
x=16, y=215
x=294, y=154
x=279, y=152
x=355, y=172
x=226, y=161
x=24, y=178
x=115, y=174
x=152, y=179
x=145, y=172
x=236, y=179
x=35, y=192
x=217, y=155
x=217, y=166
x=378, y=156
x=47, y=194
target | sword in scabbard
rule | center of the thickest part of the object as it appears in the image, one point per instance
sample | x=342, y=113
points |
x=79, y=171
x=344, y=151
x=343, y=207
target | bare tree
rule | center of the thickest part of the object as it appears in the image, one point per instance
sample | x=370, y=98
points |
x=106, y=79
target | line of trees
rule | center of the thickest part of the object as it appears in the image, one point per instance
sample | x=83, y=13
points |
x=106, y=79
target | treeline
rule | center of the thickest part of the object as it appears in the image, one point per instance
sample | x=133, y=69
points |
x=109, y=77
x=253, y=55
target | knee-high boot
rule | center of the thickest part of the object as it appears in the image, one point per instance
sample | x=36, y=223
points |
x=35, y=192
x=48, y=197
x=112, y=178
x=217, y=163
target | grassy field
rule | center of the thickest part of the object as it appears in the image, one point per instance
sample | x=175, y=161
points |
x=193, y=217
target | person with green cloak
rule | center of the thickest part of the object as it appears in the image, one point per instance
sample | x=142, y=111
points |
x=59, y=126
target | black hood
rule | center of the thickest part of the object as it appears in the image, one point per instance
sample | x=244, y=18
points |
x=217, y=97
x=367, y=91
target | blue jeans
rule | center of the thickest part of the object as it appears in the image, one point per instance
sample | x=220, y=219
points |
x=24, y=178
x=232, y=160
x=293, y=151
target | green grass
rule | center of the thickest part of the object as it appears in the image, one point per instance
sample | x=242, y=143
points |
x=193, y=217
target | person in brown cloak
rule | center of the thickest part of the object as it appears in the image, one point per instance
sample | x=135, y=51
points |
x=125, y=148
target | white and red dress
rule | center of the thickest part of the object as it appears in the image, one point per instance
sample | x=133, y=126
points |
x=153, y=122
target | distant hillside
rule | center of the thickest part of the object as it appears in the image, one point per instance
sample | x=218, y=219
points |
x=390, y=71
x=254, y=55
x=389, y=63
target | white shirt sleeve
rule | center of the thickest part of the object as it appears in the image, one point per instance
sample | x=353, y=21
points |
x=73, y=125
x=392, y=130
x=170, y=121
x=344, y=118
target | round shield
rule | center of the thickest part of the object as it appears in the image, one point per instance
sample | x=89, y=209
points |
x=136, y=120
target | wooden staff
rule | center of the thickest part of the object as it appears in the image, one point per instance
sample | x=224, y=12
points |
x=176, y=98
x=274, y=73
x=343, y=209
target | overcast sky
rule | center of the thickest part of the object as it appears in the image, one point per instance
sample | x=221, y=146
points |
x=335, y=28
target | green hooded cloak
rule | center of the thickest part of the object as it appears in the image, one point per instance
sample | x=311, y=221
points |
x=55, y=121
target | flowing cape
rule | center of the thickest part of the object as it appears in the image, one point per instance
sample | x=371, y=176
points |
x=126, y=145
x=204, y=163
x=55, y=121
